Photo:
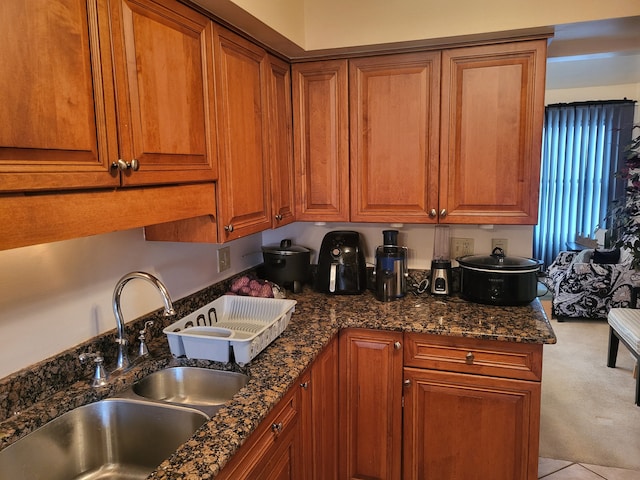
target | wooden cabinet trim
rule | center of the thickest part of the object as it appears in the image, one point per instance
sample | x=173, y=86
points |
x=53, y=217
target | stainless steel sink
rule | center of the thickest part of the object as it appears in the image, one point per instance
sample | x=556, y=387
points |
x=109, y=439
x=200, y=388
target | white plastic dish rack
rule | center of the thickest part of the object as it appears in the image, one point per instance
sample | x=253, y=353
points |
x=245, y=324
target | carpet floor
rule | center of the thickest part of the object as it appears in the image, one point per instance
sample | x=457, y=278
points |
x=588, y=411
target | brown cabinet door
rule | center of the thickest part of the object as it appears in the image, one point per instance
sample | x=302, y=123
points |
x=319, y=393
x=469, y=427
x=164, y=82
x=394, y=108
x=244, y=201
x=281, y=143
x=57, y=111
x=492, y=115
x=321, y=140
x=370, y=365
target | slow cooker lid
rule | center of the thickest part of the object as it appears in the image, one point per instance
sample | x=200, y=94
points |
x=498, y=261
x=285, y=248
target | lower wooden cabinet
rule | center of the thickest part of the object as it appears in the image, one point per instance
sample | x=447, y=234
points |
x=386, y=405
x=370, y=404
x=459, y=426
x=417, y=406
x=272, y=451
x=298, y=440
x=319, y=408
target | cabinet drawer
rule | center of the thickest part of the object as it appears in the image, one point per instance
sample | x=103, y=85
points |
x=477, y=356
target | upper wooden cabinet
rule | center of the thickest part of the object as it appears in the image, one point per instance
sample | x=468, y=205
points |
x=242, y=74
x=70, y=112
x=256, y=185
x=321, y=140
x=492, y=115
x=281, y=143
x=394, y=108
x=163, y=62
x=436, y=137
x=58, y=126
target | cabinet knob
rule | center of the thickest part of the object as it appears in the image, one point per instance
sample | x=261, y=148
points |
x=407, y=383
x=469, y=358
x=276, y=428
x=443, y=213
x=397, y=345
x=304, y=385
x=121, y=165
x=433, y=213
x=228, y=228
x=278, y=217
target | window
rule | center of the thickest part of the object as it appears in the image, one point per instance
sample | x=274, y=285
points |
x=582, y=146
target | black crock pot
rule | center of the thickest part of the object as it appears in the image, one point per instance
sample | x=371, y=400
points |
x=497, y=279
x=287, y=265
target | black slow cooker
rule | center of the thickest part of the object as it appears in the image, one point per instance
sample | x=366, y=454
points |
x=497, y=279
x=287, y=265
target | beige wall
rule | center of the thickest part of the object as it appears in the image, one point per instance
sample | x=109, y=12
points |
x=341, y=23
x=605, y=92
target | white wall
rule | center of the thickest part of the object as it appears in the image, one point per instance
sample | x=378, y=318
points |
x=55, y=296
x=418, y=239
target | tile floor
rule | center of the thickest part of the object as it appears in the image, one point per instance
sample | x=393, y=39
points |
x=550, y=469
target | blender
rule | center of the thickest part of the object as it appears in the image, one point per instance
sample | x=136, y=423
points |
x=440, y=282
x=391, y=268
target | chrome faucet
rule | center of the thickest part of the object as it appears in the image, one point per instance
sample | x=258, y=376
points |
x=123, y=361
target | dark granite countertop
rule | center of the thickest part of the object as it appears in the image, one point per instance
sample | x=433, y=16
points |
x=317, y=319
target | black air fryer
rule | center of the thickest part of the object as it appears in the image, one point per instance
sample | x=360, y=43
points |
x=341, y=264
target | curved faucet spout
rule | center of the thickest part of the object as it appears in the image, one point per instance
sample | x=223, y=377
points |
x=123, y=359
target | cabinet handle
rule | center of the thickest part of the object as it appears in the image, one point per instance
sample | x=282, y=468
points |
x=228, y=228
x=469, y=358
x=443, y=213
x=397, y=345
x=276, y=428
x=432, y=213
x=121, y=165
x=304, y=385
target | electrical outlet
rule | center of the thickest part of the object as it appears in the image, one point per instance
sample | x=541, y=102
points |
x=499, y=242
x=461, y=247
x=224, y=259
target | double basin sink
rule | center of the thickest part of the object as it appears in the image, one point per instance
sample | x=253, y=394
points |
x=125, y=437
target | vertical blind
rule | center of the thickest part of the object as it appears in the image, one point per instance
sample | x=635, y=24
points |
x=583, y=146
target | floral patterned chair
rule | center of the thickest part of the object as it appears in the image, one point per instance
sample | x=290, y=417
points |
x=583, y=287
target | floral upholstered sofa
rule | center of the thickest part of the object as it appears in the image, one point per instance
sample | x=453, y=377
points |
x=587, y=284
